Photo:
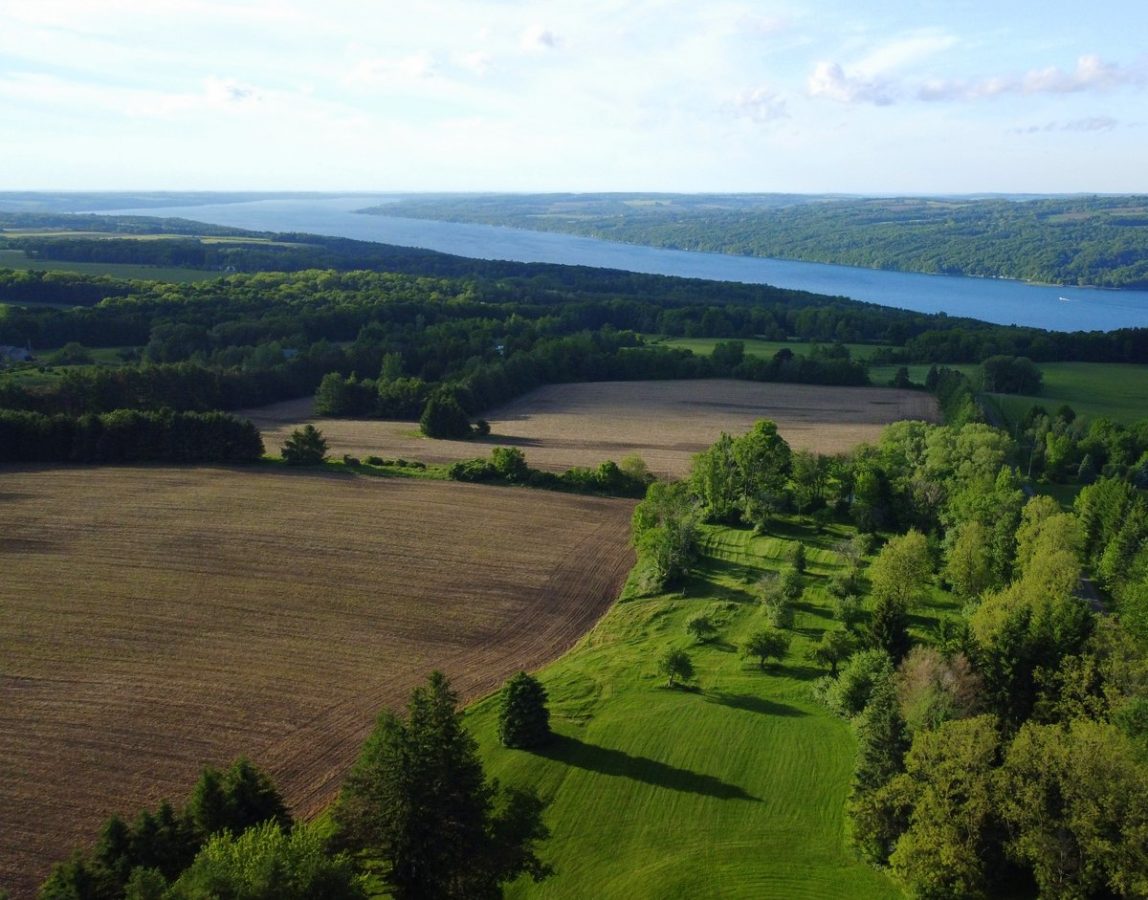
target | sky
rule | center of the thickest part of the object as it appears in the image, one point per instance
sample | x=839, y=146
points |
x=879, y=96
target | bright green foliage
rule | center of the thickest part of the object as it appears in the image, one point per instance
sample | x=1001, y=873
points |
x=701, y=628
x=969, y=561
x=953, y=833
x=418, y=798
x=865, y=671
x=664, y=529
x=902, y=569
x=1076, y=803
x=743, y=477
x=509, y=463
x=523, y=718
x=305, y=447
x=1044, y=530
x=1033, y=624
x=716, y=480
x=676, y=666
x=833, y=649
x=766, y=644
x=763, y=462
x=267, y=863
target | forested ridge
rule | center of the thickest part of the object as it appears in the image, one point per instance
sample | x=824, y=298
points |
x=438, y=328
x=1092, y=240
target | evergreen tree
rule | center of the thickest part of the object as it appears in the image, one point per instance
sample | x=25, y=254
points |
x=889, y=628
x=305, y=447
x=443, y=417
x=418, y=798
x=523, y=719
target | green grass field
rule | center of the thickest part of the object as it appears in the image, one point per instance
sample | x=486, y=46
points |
x=15, y=259
x=758, y=347
x=1118, y=391
x=735, y=789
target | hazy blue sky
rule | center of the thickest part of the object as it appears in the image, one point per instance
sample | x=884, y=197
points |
x=859, y=96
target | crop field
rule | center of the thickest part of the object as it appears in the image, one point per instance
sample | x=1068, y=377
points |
x=664, y=422
x=155, y=620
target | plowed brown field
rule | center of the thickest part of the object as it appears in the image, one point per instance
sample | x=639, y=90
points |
x=155, y=620
x=664, y=422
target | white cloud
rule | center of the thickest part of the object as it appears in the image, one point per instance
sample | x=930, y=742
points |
x=381, y=71
x=1091, y=74
x=761, y=105
x=831, y=81
x=1087, y=124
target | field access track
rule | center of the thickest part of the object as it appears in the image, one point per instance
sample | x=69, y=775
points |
x=154, y=620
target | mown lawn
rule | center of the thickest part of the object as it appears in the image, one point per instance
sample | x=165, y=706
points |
x=733, y=789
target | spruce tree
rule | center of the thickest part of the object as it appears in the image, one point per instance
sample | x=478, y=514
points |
x=523, y=719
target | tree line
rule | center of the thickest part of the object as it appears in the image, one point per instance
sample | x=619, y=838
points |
x=416, y=814
x=1003, y=754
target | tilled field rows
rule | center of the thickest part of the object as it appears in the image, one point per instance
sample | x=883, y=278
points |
x=156, y=620
x=664, y=422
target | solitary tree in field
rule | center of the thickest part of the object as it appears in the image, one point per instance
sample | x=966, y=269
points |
x=443, y=417
x=676, y=666
x=305, y=447
x=523, y=719
x=768, y=644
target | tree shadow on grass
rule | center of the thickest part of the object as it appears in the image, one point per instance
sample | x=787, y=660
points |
x=813, y=609
x=618, y=763
x=750, y=703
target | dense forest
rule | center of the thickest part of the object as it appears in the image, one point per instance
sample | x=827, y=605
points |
x=1100, y=241
x=384, y=331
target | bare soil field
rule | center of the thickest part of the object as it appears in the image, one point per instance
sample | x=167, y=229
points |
x=155, y=620
x=664, y=422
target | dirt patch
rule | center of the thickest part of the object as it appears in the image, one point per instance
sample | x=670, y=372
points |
x=664, y=422
x=156, y=620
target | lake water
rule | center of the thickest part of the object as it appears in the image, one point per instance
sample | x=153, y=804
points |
x=1002, y=302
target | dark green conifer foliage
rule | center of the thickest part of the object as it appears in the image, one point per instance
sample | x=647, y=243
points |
x=523, y=719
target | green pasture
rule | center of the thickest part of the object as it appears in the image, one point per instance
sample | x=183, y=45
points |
x=733, y=789
x=760, y=347
x=15, y=259
x=1118, y=391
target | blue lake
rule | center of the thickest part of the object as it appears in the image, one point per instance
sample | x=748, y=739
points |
x=1003, y=302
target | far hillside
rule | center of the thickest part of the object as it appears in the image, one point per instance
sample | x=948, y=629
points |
x=1073, y=240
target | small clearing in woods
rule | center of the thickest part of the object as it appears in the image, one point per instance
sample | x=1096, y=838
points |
x=664, y=422
x=154, y=620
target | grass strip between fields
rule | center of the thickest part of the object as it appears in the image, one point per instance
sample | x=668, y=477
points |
x=734, y=788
